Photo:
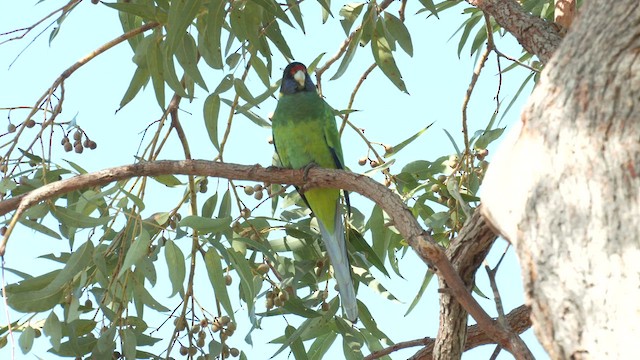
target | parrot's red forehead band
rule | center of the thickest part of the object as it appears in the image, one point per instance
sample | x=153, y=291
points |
x=297, y=68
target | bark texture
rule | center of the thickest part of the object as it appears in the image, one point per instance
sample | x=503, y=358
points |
x=466, y=252
x=565, y=189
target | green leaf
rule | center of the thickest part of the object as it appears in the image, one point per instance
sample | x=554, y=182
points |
x=187, y=55
x=225, y=205
x=384, y=58
x=296, y=306
x=361, y=245
x=136, y=252
x=243, y=91
x=53, y=328
x=213, y=263
x=428, y=4
x=478, y=40
x=312, y=66
x=297, y=348
x=425, y=282
x=250, y=115
x=274, y=34
x=128, y=343
x=487, y=138
x=44, y=292
x=369, y=22
x=209, y=38
x=326, y=5
x=290, y=338
x=395, y=149
x=352, y=340
x=206, y=225
x=181, y=14
x=468, y=25
x=156, y=67
x=367, y=278
x=147, y=299
x=211, y=110
x=26, y=339
x=454, y=190
x=139, y=80
x=176, y=266
x=294, y=8
x=76, y=167
x=348, y=55
x=145, y=11
x=268, y=93
x=225, y=84
x=215, y=348
x=40, y=228
x=243, y=270
x=379, y=232
x=170, y=75
x=321, y=345
x=453, y=142
x=168, y=180
x=370, y=323
x=399, y=31
x=261, y=69
x=233, y=60
x=350, y=13
x=77, y=220
x=274, y=9
x=209, y=205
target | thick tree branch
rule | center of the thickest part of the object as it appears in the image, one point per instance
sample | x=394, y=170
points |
x=518, y=319
x=404, y=221
x=534, y=34
x=466, y=253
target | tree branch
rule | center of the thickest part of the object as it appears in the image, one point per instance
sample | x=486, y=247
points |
x=429, y=251
x=519, y=319
x=537, y=36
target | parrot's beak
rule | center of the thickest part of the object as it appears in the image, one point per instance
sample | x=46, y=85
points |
x=300, y=78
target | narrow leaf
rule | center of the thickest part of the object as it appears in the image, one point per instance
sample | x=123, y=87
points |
x=206, y=225
x=176, y=266
x=211, y=110
x=384, y=58
x=214, y=270
x=136, y=252
x=395, y=149
x=425, y=282
x=297, y=348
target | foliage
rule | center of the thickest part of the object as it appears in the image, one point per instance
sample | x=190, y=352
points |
x=276, y=258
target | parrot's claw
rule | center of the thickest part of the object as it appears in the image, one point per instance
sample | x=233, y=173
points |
x=308, y=167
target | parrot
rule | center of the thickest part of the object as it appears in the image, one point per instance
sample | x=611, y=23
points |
x=305, y=135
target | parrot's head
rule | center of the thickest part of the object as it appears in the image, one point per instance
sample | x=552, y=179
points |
x=296, y=79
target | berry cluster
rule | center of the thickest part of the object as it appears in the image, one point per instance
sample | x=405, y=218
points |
x=78, y=145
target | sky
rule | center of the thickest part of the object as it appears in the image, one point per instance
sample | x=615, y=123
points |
x=436, y=80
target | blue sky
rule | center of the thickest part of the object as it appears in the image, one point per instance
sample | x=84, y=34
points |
x=435, y=77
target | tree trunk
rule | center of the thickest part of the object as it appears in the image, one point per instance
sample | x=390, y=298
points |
x=565, y=189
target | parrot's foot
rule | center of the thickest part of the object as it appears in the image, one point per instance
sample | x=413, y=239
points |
x=308, y=167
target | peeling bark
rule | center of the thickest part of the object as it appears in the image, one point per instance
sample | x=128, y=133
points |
x=565, y=189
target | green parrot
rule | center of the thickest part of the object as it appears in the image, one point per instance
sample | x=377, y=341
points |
x=305, y=134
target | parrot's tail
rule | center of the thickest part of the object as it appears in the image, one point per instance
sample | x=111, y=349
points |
x=337, y=250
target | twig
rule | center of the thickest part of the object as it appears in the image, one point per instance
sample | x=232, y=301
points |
x=467, y=97
x=494, y=287
x=28, y=29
